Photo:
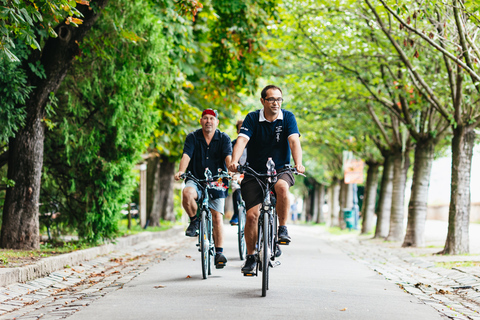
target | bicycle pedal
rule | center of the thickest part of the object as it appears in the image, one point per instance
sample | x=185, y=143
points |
x=274, y=264
x=220, y=265
x=284, y=242
x=249, y=274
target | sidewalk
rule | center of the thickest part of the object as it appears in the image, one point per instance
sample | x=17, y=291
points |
x=76, y=285
x=434, y=279
x=47, y=265
x=453, y=292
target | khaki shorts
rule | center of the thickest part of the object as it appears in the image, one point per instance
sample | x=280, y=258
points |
x=252, y=192
x=215, y=204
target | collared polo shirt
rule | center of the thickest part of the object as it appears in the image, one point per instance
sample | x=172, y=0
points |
x=268, y=139
x=210, y=156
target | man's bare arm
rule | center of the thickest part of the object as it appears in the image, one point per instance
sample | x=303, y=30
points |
x=237, y=153
x=183, y=166
x=296, y=149
x=228, y=161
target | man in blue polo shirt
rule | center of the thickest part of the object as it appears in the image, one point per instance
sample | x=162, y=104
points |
x=206, y=148
x=270, y=133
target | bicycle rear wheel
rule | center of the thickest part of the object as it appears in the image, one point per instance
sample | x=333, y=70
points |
x=265, y=255
x=242, y=247
x=204, y=245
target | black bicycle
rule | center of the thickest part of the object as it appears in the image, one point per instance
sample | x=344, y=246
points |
x=267, y=239
x=205, y=244
x=242, y=217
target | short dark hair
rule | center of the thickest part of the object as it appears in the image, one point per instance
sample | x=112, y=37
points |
x=271, y=86
x=239, y=124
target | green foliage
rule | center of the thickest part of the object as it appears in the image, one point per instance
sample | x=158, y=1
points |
x=107, y=114
x=307, y=50
x=237, y=36
x=217, y=56
x=137, y=228
x=25, y=20
x=14, y=90
x=18, y=258
x=8, y=182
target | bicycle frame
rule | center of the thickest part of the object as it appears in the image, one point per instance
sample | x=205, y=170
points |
x=205, y=238
x=205, y=244
x=267, y=237
x=267, y=225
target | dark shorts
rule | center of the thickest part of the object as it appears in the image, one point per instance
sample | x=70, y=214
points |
x=252, y=192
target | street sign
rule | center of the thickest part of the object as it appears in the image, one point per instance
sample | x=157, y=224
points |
x=353, y=171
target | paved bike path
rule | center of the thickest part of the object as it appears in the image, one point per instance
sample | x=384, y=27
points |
x=314, y=281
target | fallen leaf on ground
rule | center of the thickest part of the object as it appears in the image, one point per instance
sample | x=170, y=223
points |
x=441, y=291
x=188, y=277
x=189, y=257
x=158, y=287
x=344, y=309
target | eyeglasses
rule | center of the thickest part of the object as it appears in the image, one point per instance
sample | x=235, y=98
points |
x=272, y=100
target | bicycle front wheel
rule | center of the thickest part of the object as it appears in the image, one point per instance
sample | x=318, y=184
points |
x=211, y=245
x=265, y=255
x=204, y=245
x=242, y=246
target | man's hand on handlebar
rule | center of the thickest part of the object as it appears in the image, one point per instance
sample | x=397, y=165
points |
x=233, y=166
x=300, y=168
x=178, y=175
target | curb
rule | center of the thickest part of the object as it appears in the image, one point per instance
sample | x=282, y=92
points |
x=48, y=265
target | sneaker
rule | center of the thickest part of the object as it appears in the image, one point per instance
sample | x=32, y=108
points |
x=250, y=264
x=283, y=237
x=278, y=251
x=220, y=261
x=192, y=230
x=234, y=221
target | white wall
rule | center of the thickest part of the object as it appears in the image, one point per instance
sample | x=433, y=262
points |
x=439, y=192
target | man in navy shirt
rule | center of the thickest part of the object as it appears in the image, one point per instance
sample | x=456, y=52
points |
x=270, y=133
x=206, y=148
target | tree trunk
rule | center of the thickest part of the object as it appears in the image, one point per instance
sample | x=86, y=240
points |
x=329, y=198
x=344, y=190
x=314, y=211
x=459, y=212
x=320, y=202
x=400, y=167
x=343, y=202
x=417, y=207
x=20, y=212
x=334, y=203
x=347, y=203
x=153, y=187
x=167, y=183
x=385, y=199
x=368, y=209
x=20, y=225
x=307, y=205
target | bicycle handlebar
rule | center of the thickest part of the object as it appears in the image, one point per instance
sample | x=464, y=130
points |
x=220, y=175
x=245, y=169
